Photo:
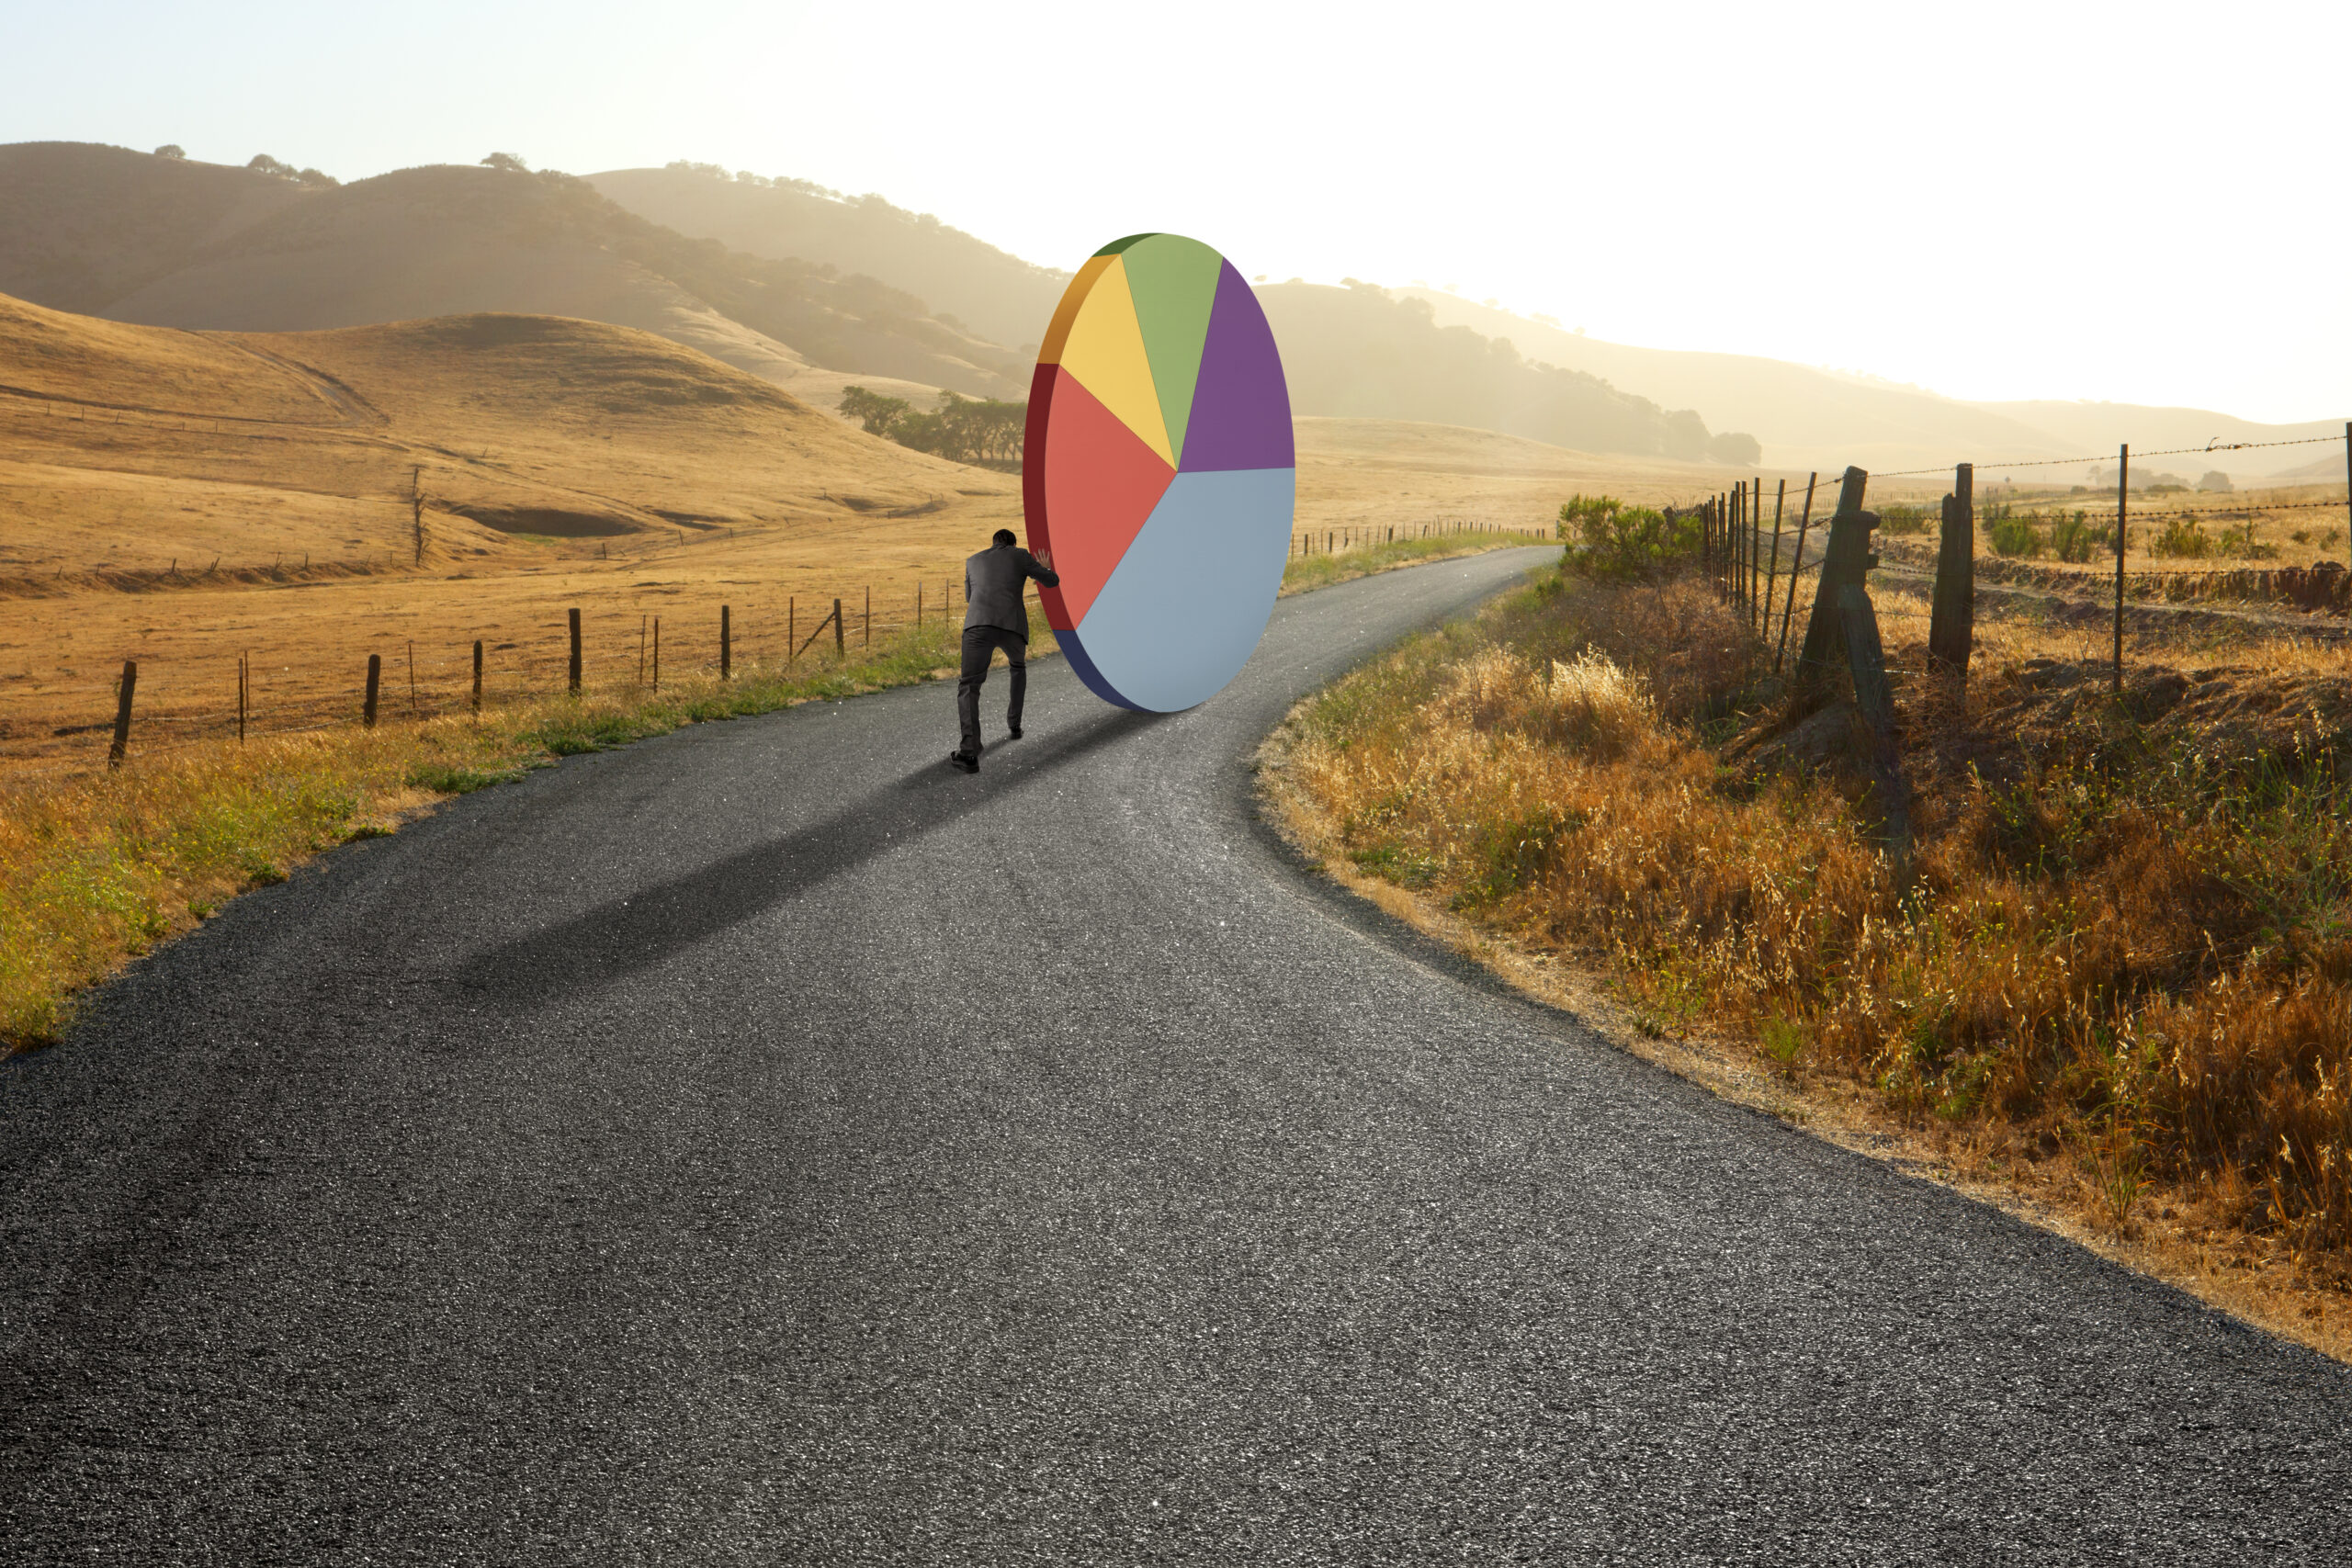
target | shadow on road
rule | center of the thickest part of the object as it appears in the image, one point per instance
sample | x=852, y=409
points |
x=632, y=934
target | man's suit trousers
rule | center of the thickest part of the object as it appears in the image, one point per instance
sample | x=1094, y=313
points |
x=979, y=643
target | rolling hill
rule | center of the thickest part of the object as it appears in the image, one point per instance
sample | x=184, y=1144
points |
x=171, y=242
x=129, y=445
x=969, y=282
x=179, y=497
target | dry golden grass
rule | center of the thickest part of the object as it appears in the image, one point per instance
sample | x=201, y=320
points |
x=2121, y=984
x=182, y=499
x=132, y=459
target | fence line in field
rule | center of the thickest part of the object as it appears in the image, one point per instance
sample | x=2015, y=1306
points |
x=1743, y=567
x=417, y=682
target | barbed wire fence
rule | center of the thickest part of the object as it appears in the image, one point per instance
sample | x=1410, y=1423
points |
x=1754, y=552
x=175, y=704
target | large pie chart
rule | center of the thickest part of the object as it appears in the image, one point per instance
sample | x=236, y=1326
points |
x=1158, y=469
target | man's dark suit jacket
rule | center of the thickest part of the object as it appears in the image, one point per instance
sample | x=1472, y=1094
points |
x=993, y=582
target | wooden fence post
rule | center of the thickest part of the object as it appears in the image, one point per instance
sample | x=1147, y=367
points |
x=2123, y=494
x=415, y=711
x=866, y=631
x=575, y=653
x=640, y=649
x=375, y=676
x=1845, y=561
x=1867, y=659
x=1731, y=544
x=657, y=653
x=477, y=674
x=2348, y=484
x=841, y=645
x=1772, y=571
x=1951, y=620
x=1730, y=525
x=791, y=629
x=1752, y=547
x=726, y=643
x=121, y=747
x=1755, y=548
x=1796, y=565
x=245, y=683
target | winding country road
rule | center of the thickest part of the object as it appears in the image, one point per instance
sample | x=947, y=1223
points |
x=765, y=1146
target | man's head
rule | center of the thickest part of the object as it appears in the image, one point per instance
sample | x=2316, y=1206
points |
x=1003, y=537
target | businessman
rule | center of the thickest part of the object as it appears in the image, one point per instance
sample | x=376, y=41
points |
x=995, y=614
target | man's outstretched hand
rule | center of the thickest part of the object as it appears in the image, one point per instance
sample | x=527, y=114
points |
x=1045, y=559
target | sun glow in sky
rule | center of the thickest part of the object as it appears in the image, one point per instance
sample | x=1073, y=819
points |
x=2143, y=203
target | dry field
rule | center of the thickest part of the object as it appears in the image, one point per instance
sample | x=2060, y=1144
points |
x=181, y=497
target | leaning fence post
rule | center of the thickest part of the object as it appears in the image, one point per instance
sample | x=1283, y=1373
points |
x=575, y=653
x=1867, y=659
x=1950, y=621
x=1845, y=561
x=841, y=643
x=375, y=675
x=2122, y=492
x=1772, y=572
x=121, y=747
x=726, y=643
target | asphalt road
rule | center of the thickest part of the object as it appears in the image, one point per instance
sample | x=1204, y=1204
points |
x=764, y=1145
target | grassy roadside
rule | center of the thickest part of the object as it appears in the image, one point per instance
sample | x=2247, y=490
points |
x=98, y=868
x=2117, y=995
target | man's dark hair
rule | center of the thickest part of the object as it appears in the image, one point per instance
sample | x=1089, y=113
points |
x=1004, y=535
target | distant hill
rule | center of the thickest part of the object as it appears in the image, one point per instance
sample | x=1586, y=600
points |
x=1804, y=418
x=171, y=242
x=967, y=281
x=1809, y=418
x=1359, y=351
x=1346, y=355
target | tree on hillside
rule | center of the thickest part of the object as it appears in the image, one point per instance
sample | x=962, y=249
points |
x=262, y=163
x=984, y=432
x=1736, y=447
x=1685, y=436
x=170, y=149
x=877, y=413
x=507, y=160
x=2215, y=479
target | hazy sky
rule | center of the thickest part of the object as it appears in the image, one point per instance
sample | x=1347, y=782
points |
x=2145, y=202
